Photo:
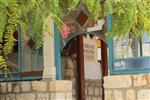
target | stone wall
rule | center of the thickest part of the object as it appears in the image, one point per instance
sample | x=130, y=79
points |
x=127, y=87
x=69, y=72
x=93, y=90
x=36, y=90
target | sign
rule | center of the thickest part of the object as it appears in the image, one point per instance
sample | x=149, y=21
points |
x=89, y=52
x=91, y=65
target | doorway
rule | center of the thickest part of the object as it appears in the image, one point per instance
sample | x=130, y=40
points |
x=85, y=85
x=91, y=72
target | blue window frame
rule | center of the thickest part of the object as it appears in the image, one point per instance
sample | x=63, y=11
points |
x=26, y=61
x=129, y=55
x=57, y=51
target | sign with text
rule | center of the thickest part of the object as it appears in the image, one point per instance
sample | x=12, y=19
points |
x=91, y=65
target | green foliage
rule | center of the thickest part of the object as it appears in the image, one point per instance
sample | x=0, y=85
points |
x=94, y=7
x=8, y=25
x=30, y=15
x=128, y=16
x=2, y=24
x=3, y=64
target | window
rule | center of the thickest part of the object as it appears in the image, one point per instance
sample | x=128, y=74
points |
x=130, y=55
x=26, y=61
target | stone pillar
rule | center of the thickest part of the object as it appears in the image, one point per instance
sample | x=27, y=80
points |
x=49, y=65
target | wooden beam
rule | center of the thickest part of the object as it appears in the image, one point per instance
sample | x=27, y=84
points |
x=33, y=73
x=104, y=59
x=104, y=54
x=81, y=68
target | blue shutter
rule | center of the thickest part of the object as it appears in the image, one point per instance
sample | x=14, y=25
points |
x=110, y=43
x=57, y=50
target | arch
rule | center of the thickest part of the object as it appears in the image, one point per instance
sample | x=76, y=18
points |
x=59, y=45
x=97, y=33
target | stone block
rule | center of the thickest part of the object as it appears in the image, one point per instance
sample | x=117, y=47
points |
x=74, y=98
x=60, y=96
x=10, y=97
x=9, y=87
x=139, y=80
x=96, y=91
x=26, y=96
x=69, y=72
x=90, y=91
x=91, y=82
x=70, y=63
x=109, y=95
x=144, y=94
x=73, y=91
x=72, y=73
x=94, y=98
x=86, y=82
x=98, y=83
x=69, y=96
x=2, y=97
x=99, y=98
x=52, y=96
x=101, y=91
x=88, y=98
x=74, y=81
x=43, y=96
x=118, y=95
x=86, y=90
x=39, y=86
x=60, y=86
x=118, y=81
x=3, y=87
x=15, y=86
x=130, y=94
x=149, y=80
x=25, y=86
